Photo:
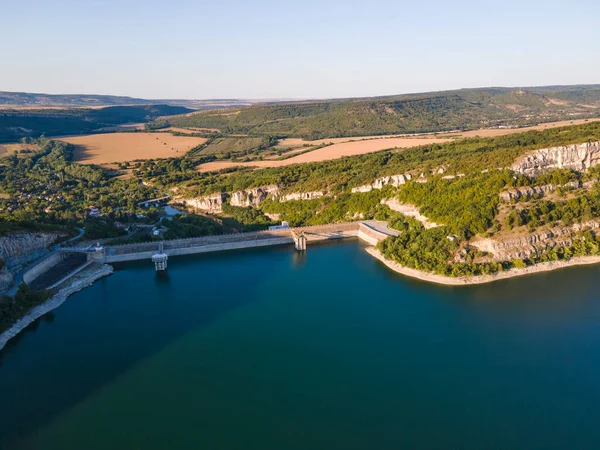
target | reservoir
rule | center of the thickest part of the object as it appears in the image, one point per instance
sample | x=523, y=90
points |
x=270, y=349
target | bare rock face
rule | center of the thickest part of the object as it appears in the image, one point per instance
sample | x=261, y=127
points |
x=409, y=210
x=19, y=249
x=535, y=191
x=574, y=157
x=532, y=244
x=301, y=196
x=393, y=180
x=253, y=197
x=208, y=203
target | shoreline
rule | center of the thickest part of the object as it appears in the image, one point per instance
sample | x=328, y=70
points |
x=97, y=271
x=79, y=282
x=481, y=279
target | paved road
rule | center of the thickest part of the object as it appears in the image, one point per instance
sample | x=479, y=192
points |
x=382, y=227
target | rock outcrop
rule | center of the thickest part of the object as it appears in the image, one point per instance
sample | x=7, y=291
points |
x=208, y=203
x=249, y=197
x=532, y=244
x=408, y=210
x=393, y=180
x=574, y=157
x=301, y=196
x=20, y=249
x=528, y=192
x=253, y=197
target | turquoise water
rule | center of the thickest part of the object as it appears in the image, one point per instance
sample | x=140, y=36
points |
x=269, y=350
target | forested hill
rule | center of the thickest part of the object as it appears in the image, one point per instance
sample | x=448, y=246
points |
x=414, y=113
x=18, y=123
x=33, y=100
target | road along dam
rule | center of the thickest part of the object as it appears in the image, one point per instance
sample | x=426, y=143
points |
x=370, y=232
x=52, y=271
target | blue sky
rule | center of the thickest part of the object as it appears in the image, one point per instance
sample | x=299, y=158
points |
x=293, y=49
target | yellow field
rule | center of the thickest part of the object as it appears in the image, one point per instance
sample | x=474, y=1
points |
x=360, y=145
x=121, y=147
x=7, y=149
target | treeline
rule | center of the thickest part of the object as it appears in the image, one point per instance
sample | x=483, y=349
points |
x=245, y=219
x=189, y=226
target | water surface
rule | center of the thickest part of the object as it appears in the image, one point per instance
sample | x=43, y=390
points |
x=267, y=349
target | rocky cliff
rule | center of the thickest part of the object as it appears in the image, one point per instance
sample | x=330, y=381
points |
x=301, y=196
x=575, y=157
x=408, y=210
x=527, y=192
x=253, y=197
x=209, y=203
x=379, y=183
x=249, y=197
x=529, y=245
x=19, y=249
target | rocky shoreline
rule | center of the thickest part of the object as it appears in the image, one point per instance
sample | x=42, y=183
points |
x=481, y=279
x=80, y=281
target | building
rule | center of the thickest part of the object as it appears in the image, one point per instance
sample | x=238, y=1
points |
x=284, y=226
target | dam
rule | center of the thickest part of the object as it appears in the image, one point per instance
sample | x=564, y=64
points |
x=159, y=252
x=370, y=232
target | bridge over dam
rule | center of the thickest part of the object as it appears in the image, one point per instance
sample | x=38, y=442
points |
x=367, y=231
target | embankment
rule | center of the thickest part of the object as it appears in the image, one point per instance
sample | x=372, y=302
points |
x=481, y=279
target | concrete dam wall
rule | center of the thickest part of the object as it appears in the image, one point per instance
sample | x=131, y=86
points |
x=132, y=252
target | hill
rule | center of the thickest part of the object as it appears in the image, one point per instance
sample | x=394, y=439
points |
x=35, y=100
x=18, y=123
x=413, y=113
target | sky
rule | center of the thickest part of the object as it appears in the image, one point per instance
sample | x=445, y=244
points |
x=293, y=49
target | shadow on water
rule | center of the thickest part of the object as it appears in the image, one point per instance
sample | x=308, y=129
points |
x=299, y=259
x=162, y=276
x=31, y=328
x=178, y=315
